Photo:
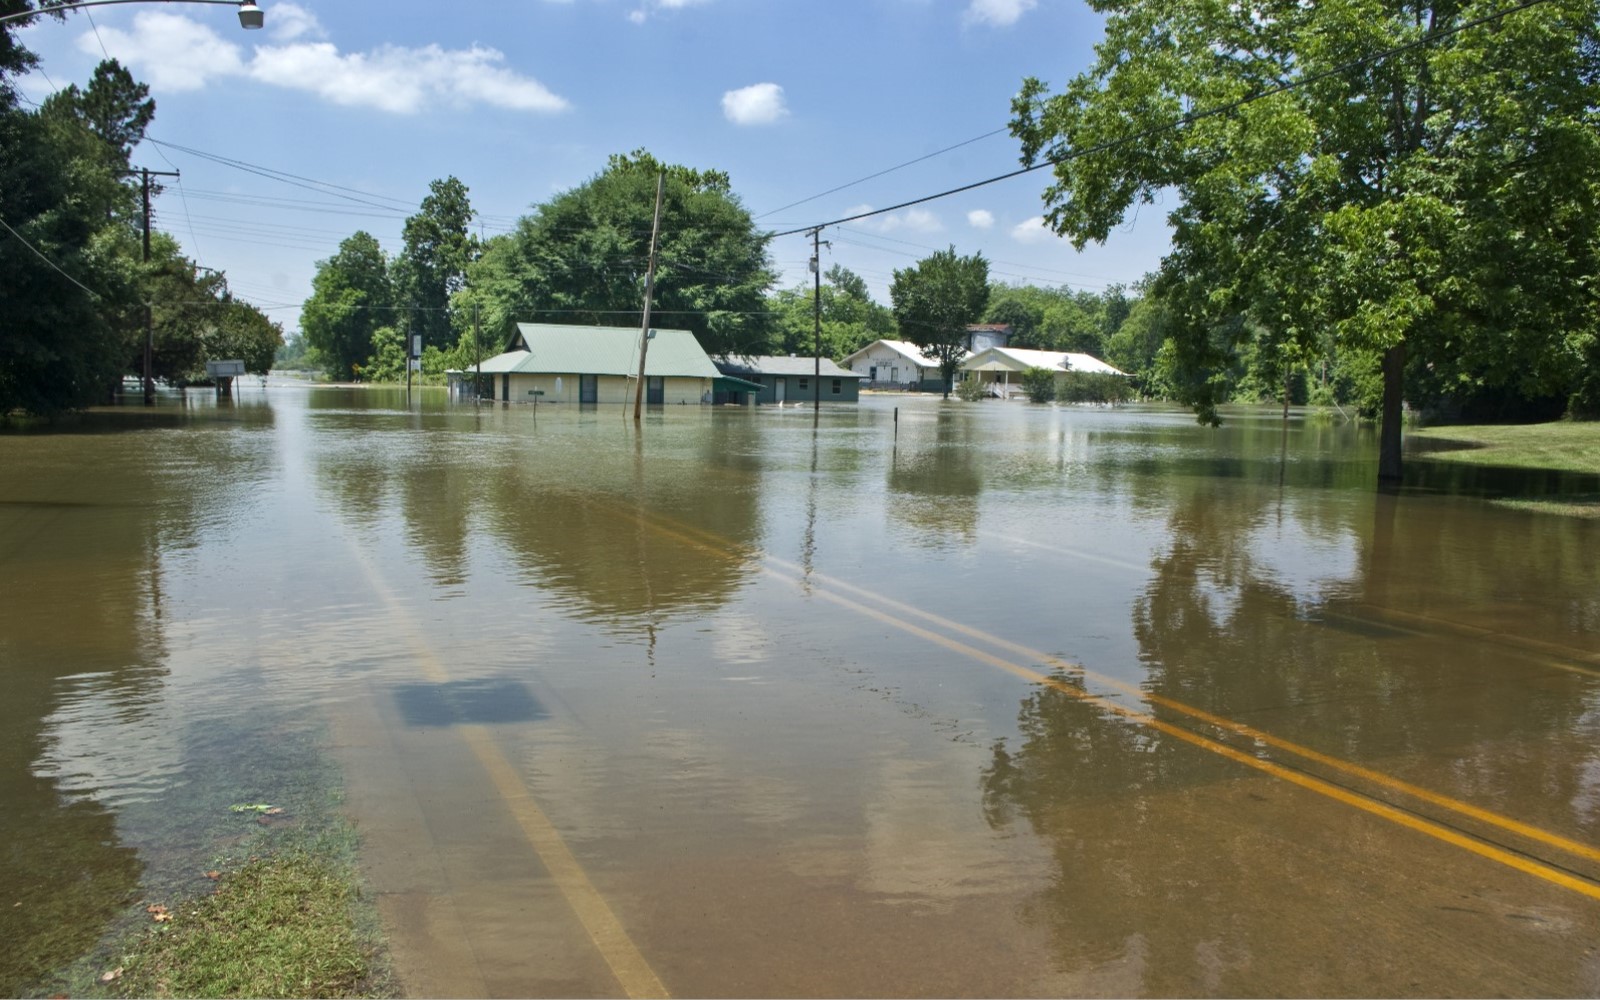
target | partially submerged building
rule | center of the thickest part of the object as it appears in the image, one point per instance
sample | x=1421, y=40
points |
x=787, y=379
x=999, y=369
x=556, y=363
x=896, y=364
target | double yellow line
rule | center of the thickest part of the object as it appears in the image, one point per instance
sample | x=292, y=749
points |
x=903, y=617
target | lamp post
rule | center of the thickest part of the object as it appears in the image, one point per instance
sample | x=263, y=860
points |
x=250, y=15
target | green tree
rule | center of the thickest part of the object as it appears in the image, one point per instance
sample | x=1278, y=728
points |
x=935, y=300
x=351, y=298
x=850, y=318
x=114, y=107
x=66, y=286
x=582, y=258
x=244, y=332
x=1433, y=203
x=432, y=267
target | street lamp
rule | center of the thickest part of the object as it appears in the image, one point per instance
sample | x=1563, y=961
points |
x=250, y=16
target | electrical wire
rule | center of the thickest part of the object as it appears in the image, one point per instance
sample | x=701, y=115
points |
x=1186, y=120
x=54, y=266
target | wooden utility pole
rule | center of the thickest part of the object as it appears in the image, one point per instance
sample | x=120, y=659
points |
x=816, y=324
x=149, y=310
x=649, y=293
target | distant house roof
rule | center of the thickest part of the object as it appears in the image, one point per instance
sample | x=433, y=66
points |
x=778, y=364
x=554, y=349
x=995, y=327
x=1020, y=359
x=911, y=352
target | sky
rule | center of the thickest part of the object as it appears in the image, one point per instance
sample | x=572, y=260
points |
x=336, y=117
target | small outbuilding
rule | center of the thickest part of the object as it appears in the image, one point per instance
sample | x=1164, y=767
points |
x=555, y=363
x=791, y=379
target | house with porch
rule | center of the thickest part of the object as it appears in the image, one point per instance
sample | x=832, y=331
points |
x=556, y=363
x=790, y=379
x=896, y=364
x=999, y=369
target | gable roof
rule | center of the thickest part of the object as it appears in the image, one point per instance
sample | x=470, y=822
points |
x=1020, y=358
x=557, y=349
x=911, y=352
x=782, y=364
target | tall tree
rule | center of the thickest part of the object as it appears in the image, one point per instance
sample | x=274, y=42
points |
x=351, y=298
x=114, y=107
x=432, y=267
x=935, y=300
x=1423, y=187
x=582, y=256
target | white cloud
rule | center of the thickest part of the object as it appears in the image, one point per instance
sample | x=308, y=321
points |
x=980, y=218
x=912, y=220
x=172, y=52
x=1032, y=231
x=999, y=13
x=288, y=22
x=642, y=14
x=177, y=53
x=758, y=104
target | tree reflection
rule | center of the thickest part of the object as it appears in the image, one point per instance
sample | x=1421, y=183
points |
x=1420, y=636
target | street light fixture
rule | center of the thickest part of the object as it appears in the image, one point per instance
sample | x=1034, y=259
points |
x=250, y=15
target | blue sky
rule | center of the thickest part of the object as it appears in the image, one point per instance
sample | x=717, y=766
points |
x=522, y=99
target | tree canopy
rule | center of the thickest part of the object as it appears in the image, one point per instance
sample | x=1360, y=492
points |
x=351, y=299
x=1416, y=181
x=936, y=299
x=582, y=257
x=432, y=267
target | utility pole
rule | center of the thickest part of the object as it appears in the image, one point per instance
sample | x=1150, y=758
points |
x=149, y=312
x=477, y=352
x=816, y=324
x=649, y=293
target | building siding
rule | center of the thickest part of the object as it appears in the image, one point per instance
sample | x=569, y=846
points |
x=611, y=389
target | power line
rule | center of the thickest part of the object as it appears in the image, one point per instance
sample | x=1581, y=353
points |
x=40, y=254
x=1189, y=119
x=889, y=170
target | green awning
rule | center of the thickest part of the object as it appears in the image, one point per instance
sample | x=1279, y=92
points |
x=729, y=382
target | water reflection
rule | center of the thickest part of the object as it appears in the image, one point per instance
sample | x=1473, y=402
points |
x=1441, y=642
x=934, y=481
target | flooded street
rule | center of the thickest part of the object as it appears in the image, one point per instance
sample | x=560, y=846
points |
x=924, y=699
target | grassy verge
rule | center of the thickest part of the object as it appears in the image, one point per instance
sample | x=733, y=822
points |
x=1564, y=446
x=281, y=926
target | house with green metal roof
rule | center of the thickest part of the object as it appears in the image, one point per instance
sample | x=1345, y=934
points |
x=556, y=363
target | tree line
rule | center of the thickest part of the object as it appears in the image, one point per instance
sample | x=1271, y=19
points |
x=82, y=284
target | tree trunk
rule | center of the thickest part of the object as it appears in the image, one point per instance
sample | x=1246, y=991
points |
x=1394, y=367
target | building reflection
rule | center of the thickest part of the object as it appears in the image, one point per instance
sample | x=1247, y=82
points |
x=934, y=481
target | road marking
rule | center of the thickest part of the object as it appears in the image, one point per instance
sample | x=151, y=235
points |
x=797, y=574
x=621, y=955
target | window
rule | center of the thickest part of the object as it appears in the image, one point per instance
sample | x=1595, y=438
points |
x=805, y=383
x=837, y=385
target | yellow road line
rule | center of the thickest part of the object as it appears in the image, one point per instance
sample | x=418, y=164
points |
x=1355, y=799
x=621, y=955
x=686, y=533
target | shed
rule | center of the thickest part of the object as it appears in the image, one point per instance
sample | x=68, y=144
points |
x=790, y=378
x=557, y=363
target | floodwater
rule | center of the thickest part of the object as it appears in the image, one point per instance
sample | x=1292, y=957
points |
x=921, y=698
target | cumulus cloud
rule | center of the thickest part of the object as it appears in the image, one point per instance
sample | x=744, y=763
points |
x=998, y=13
x=642, y=14
x=176, y=53
x=1032, y=231
x=757, y=104
x=980, y=218
x=288, y=22
x=912, y=220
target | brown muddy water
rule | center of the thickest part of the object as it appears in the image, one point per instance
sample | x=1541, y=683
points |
x=993, y=700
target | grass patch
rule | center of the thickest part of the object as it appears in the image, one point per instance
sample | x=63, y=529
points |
x=1564, y=446
x=280, y=926
x=1580, y=505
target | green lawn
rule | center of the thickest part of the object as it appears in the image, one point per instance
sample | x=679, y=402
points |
x=1563, y=446
x=1567, y=446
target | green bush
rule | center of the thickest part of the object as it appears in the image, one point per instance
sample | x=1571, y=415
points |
x=1039, y=384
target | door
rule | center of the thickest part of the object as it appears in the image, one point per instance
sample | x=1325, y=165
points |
x=588, y=388
x=505, y=388
x=655, y=390
x=779, y=385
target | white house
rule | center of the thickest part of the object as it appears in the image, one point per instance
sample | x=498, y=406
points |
x=1001, y=368
x=895, y=364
